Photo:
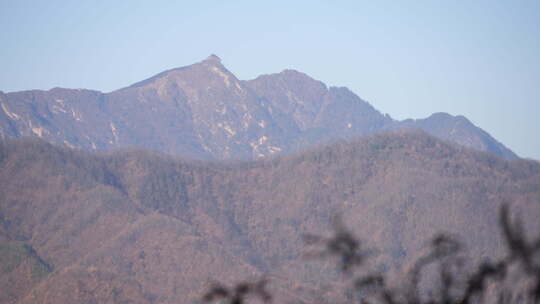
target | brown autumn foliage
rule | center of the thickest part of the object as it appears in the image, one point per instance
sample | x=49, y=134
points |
x=490, y=282
x=136, y=226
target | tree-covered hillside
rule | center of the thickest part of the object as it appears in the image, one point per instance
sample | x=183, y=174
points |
x=143, y=227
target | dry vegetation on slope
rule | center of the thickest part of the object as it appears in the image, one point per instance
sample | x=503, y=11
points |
x=142, y=227
x=441, y=276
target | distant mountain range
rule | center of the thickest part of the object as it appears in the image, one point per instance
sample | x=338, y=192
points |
x=203, y=111
x=81, y=224
x=142, y=227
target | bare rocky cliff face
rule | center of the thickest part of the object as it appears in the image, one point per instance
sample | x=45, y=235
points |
x=203, y=111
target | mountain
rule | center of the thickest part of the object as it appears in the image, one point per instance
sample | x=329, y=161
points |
x=460, y=130
x=203, y=111
x=143, y=227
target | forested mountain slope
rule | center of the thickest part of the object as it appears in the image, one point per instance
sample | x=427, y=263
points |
x=143, y=227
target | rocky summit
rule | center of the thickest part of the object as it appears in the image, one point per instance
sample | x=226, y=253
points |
x=203, y=111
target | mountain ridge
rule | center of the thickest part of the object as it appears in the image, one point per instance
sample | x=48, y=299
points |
x=203, y=111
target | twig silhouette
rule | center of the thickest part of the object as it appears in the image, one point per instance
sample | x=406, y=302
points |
x=238, y=293
x=445, y=252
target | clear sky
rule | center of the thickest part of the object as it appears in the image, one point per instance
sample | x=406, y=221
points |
x=480, y=59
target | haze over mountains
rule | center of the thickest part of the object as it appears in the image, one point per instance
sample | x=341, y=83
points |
x=141, y=227
x=203, y=111
x=80, y=223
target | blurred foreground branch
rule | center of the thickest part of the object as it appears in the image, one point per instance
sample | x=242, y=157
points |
x=457, y=286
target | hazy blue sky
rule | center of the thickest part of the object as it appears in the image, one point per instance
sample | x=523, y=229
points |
x=480, y=59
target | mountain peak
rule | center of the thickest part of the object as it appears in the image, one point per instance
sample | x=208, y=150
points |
x=203, y=109
x=294, y=73
x=213, y=59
